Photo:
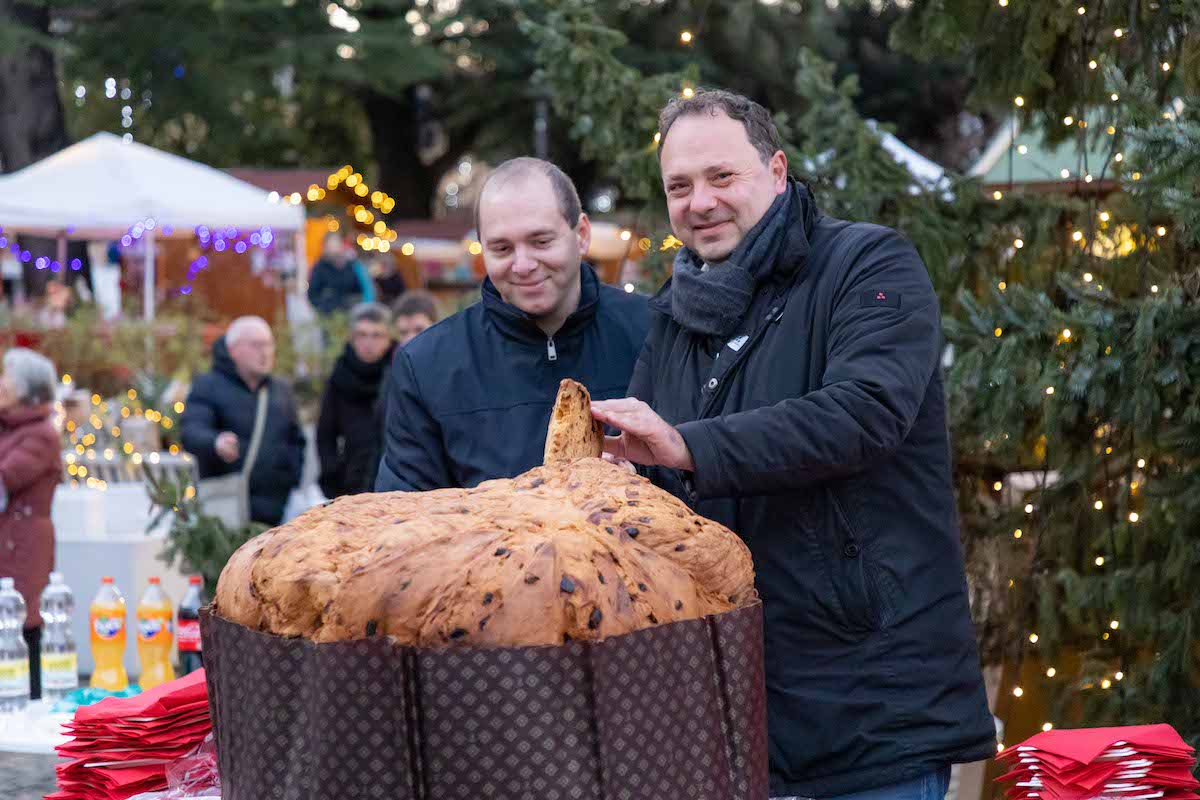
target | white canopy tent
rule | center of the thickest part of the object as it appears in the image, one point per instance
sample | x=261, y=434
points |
x=103, y=186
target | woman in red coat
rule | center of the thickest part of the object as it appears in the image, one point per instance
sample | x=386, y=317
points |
x=30, y=469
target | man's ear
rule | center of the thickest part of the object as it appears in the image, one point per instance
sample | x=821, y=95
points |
x=778, y=165
x=583, y=234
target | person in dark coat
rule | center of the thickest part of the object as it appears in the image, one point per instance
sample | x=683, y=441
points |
x=389, y=283
x=790, y=389
x=338, y=280
x=470, y=398
x=30, y=471
x=218, y=419
x=349, y=429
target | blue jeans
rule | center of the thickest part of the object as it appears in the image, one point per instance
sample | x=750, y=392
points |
x=930, y=786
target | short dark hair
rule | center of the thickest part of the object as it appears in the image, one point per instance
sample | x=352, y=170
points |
x=524, y=166
x=413, y=302
x=760, y=128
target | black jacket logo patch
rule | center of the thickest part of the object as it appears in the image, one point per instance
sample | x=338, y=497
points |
x=879, y=297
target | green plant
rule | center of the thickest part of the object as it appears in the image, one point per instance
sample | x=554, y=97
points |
x=202, y=544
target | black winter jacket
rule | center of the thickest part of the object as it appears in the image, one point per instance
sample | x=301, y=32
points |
x=221, y=401
x=821, y=439
x=470, y=398
x=350, y=426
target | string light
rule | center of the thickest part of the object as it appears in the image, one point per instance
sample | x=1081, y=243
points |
x=1049, y=390
x=1029, y=508
x=1120, y=676
x=1154, y=288
x=1066, y=173
x=1066, y=334
x=1081, y=11
x=1018, y=243
x=1017, y=533
x=996, y=195
x=685, y=37
x=1118, y=33
x=1114, y=97
x=1033, y=638
x=1099, y=561
x=1048, y=726
x=1098, y=505
x=1050, y=673
x=1087, y=277
x=1019, y=101
x=1105, y=684
x=1160, y=230
x=997, y=486
x=1092, y=64
x=1077, y=235
x=1114, y=624
x=1133, y=516
x=998, y=332
x=1166, y=66
x=1018, y=691
x=1022, y=149
x=1068, y=121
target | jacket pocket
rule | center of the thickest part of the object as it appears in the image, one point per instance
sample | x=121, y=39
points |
x=852, y=572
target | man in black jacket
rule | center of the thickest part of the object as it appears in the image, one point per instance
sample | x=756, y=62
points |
x=790, y=389
x=218, y=420
x=351, y=422
x=470, y=398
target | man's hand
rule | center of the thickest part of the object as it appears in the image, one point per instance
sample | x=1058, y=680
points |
x=227, y=447
x=645, y=438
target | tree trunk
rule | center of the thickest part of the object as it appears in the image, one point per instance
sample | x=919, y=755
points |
x=32, y=125
x=395, y=135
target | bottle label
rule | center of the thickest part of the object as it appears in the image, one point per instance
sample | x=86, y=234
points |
x=188, y=636
x=106, y=627
x=152, y=629
x=14, y=677
x=60, y=670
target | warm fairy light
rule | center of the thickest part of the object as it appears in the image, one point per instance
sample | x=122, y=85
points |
x=1092, y=64
x=1154, y=288
x=999, y=332
x=1120, y=676
x=1118, y=33
x=1105, y=684
x=1002, y=286
x=1087, y=277
x=1022, y=149
x=1133, y=516
x=657, y=138
x=1018, y=243
x=996, y=195
x=1166, y=66
x=1066, y=173
x=1160, y=230
x=685, y=37
x=95, y=399
x=1033, y=638
x=689, y=92
x=1018, y=691
x=1099, y=561
x=66, y=379
x=1104, y=216
x=1029, y=508
x=1050, y=673
x=1017, y=533
x=1066, y=334
x=1019, y=101
x=1141, y=463
x=1114, y=624
x=1049, y=390
x=1048, y=726
x=1098, y=505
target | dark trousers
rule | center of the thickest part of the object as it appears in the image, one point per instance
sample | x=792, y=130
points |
x=33, y=638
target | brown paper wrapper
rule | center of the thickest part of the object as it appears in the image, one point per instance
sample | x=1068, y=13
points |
x=674, y=711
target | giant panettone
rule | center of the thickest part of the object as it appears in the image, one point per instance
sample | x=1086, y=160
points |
x=579, y=549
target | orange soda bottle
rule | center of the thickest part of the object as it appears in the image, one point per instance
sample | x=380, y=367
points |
x=155, y=635
x=108, y=638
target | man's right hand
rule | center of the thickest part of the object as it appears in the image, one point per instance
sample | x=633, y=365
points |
x=227, y=447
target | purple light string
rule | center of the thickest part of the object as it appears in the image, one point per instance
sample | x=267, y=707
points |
x=218, y=239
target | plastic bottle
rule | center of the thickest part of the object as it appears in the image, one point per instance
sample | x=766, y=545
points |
x=155, y=635
x=14, y=653
x=60, y=664
x=107, y=616
x=188, y=632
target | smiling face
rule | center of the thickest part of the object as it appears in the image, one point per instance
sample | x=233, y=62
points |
x=531, y=254
x=717, y=185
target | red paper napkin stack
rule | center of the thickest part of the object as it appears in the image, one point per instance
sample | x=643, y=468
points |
x=122, y=745
x=1141, y=762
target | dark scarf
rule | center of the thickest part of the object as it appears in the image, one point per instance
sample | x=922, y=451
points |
x=713, y=302
x=357, y=380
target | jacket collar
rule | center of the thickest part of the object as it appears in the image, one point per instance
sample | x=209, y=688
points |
x=23, y=415
x=515, y=323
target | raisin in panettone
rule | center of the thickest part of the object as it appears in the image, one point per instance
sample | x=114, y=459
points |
x=577, y=549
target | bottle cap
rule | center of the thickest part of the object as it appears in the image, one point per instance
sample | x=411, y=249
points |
x=195, y=580
x=153, y=580
x=106, y=579
x=56, y=577
x=6, y=583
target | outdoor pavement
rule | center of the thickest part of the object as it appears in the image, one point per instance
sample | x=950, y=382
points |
x=26, y=777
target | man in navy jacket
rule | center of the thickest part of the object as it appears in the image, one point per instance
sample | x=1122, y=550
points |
x=470, y=398
x=790, y=389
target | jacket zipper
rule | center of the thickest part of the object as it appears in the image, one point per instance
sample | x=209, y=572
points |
x=551, y=350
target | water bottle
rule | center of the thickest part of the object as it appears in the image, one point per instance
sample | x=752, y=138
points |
x=187, y=637
x=60, y=665
x=14, y=653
